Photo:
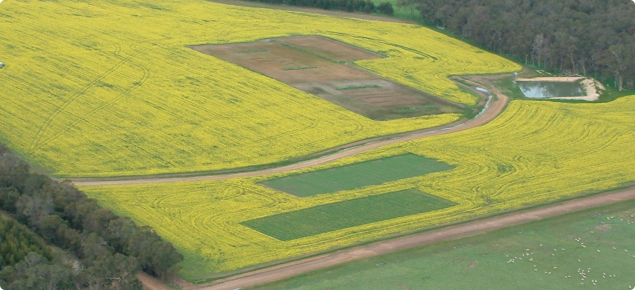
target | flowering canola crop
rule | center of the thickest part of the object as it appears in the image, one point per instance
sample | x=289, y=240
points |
x=109, y=88
x=535, y=152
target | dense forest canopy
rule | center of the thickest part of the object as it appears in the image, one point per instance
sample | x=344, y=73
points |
x=94, y=248
x=572, y=37
x=586, y=37
x=17, y=241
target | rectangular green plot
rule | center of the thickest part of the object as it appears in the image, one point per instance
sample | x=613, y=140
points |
x=325, y=218
x=357, y=175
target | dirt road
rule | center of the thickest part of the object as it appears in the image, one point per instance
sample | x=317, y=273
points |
x=287, y=270
x=493, y=107
x=151, y=283
x=292, y=269
x=333, y=13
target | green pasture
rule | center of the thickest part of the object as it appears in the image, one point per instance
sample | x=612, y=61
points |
x=350, y=213
x=357, y=175
x=590, y=250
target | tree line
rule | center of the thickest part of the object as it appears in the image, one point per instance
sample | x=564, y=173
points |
x=98, y=249
x=366, y=6
x=573, y=37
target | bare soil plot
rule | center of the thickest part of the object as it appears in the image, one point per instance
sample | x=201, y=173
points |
x=322, y=67
x=282, y=62
x=329, y=49
x=492, y=109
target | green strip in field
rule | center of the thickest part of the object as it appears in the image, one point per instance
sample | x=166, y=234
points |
x=359, y=87
x=357, y=175
x=326, y=218
x=417, y=109
x=299, y=68
x=253, y=51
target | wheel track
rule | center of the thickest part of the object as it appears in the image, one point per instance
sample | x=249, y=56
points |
x=47, y=123
x=493, y=108
x=139, y=83
x=453, y=232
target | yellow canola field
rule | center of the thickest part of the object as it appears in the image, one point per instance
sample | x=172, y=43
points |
x=535, y=152
x=109, y=88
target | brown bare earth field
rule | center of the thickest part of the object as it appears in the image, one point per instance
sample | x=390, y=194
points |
x=332, y=50
x=492, y=108
x=323, y=67
x=290, y=269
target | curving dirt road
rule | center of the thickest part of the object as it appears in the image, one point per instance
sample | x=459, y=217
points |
x=288, y=270
x=493, y=107
x=151, y=283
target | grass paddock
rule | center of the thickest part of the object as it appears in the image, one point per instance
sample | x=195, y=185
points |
x=340, y=215
x=357, y=175
x=593, y=249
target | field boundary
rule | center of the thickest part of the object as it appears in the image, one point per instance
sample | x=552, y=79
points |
x=314, y=182
x=492, y=106
x=451, y=232
x=321, y=66
x=311, y=10
x=318, y=220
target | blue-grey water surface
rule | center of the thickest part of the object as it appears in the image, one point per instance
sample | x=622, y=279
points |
x=541, y=90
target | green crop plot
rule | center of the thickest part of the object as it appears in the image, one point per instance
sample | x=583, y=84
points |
x=358, y=175
x=356, y=212
x=589, y=250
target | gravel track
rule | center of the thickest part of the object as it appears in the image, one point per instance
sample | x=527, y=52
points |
x=291, y=269
x=493, y=108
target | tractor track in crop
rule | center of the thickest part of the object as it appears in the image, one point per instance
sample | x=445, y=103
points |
x=493, y=107
x=451, y=232
x=290, y=269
